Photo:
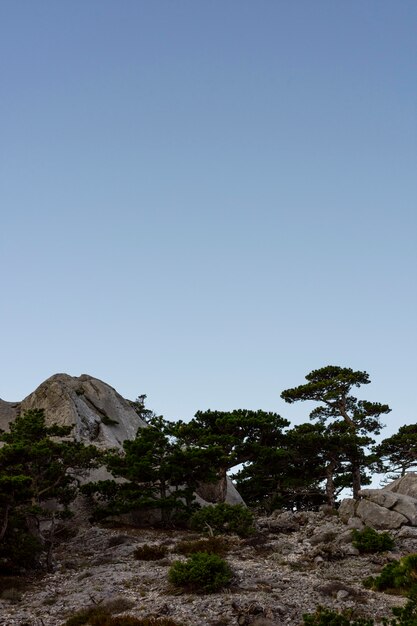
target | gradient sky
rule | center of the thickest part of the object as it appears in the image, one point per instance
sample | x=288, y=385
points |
x=203, y=201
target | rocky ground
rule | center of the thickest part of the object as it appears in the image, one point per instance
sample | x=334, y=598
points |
x=294, y=563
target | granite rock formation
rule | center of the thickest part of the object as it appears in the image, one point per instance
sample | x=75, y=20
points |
x=390, y=508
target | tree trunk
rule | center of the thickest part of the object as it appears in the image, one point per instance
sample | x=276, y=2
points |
x=356, y=480
x=5, y=522
x=330, y=489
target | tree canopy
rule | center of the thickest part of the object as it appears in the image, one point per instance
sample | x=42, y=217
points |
x=36, y=467
x=331, y=386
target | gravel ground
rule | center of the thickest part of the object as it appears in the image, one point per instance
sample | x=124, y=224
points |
x=278, y=576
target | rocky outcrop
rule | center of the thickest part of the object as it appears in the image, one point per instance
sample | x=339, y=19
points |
x=98, y=414
x=405, y=485
x=8, y=412
x=389, y=508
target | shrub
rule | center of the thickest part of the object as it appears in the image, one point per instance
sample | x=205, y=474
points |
x=12, y=595
x=369, y=540
x=128, y=620
x=84, y=616
x=211, y=545
x=201, y=572
x=400, y=576
x=19, y=549
x=404, y=615
x=224, y=518
x=118, y=540
x=99, y=615
x=150, y=552
x=328, y=617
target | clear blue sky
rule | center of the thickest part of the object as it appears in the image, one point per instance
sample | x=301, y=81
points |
x=203, y=201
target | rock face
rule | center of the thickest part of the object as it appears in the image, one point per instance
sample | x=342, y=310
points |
x=97, y=412
x=406, y=485
x=385, y=509
x=8, y=412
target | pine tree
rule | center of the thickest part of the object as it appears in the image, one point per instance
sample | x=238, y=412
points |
x=331, y=387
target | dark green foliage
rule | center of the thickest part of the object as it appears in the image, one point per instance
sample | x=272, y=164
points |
x=211, y=545
x=36, y=467
x=327, y=617
x=238, y=436
x=406, y=615
x=150, y=552
x=202, y=572
x=19, y=548
x=403, y=616
x=159, y=475
x=353, y=420
x=369, y=540
x=290, y=476
x=224, y=519
x=398, y=453
x=398, y=576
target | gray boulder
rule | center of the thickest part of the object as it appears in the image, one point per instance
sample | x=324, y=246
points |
x=8, y=412
x=347, y=509
x=379, y=517
x=405, y=485
x=98, y=414
x=378, y=496
x=383, y=509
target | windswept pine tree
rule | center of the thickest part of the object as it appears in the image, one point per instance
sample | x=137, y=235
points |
x=331, y=387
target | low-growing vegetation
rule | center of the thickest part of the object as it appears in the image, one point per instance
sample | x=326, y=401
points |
x=224, y=519
x=150, y=552
x=402, y=616
x=106, y=614
x=129, y=620
x=327, y=617
x=369, y=540
x=211, y=545
x=202, y=572
x=396, y=577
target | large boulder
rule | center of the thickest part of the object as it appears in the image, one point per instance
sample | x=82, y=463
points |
x=98, y=414
x=379, y=517
x=406, y=485
x=384, y=509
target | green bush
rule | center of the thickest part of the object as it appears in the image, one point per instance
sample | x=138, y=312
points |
x=19, y=549
x=328, y=617
x=405, y=615
x=369, y=540
x=400, y=576
x=201, y=572
x=150, y=552
x=224, y=519
x=211, y=545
